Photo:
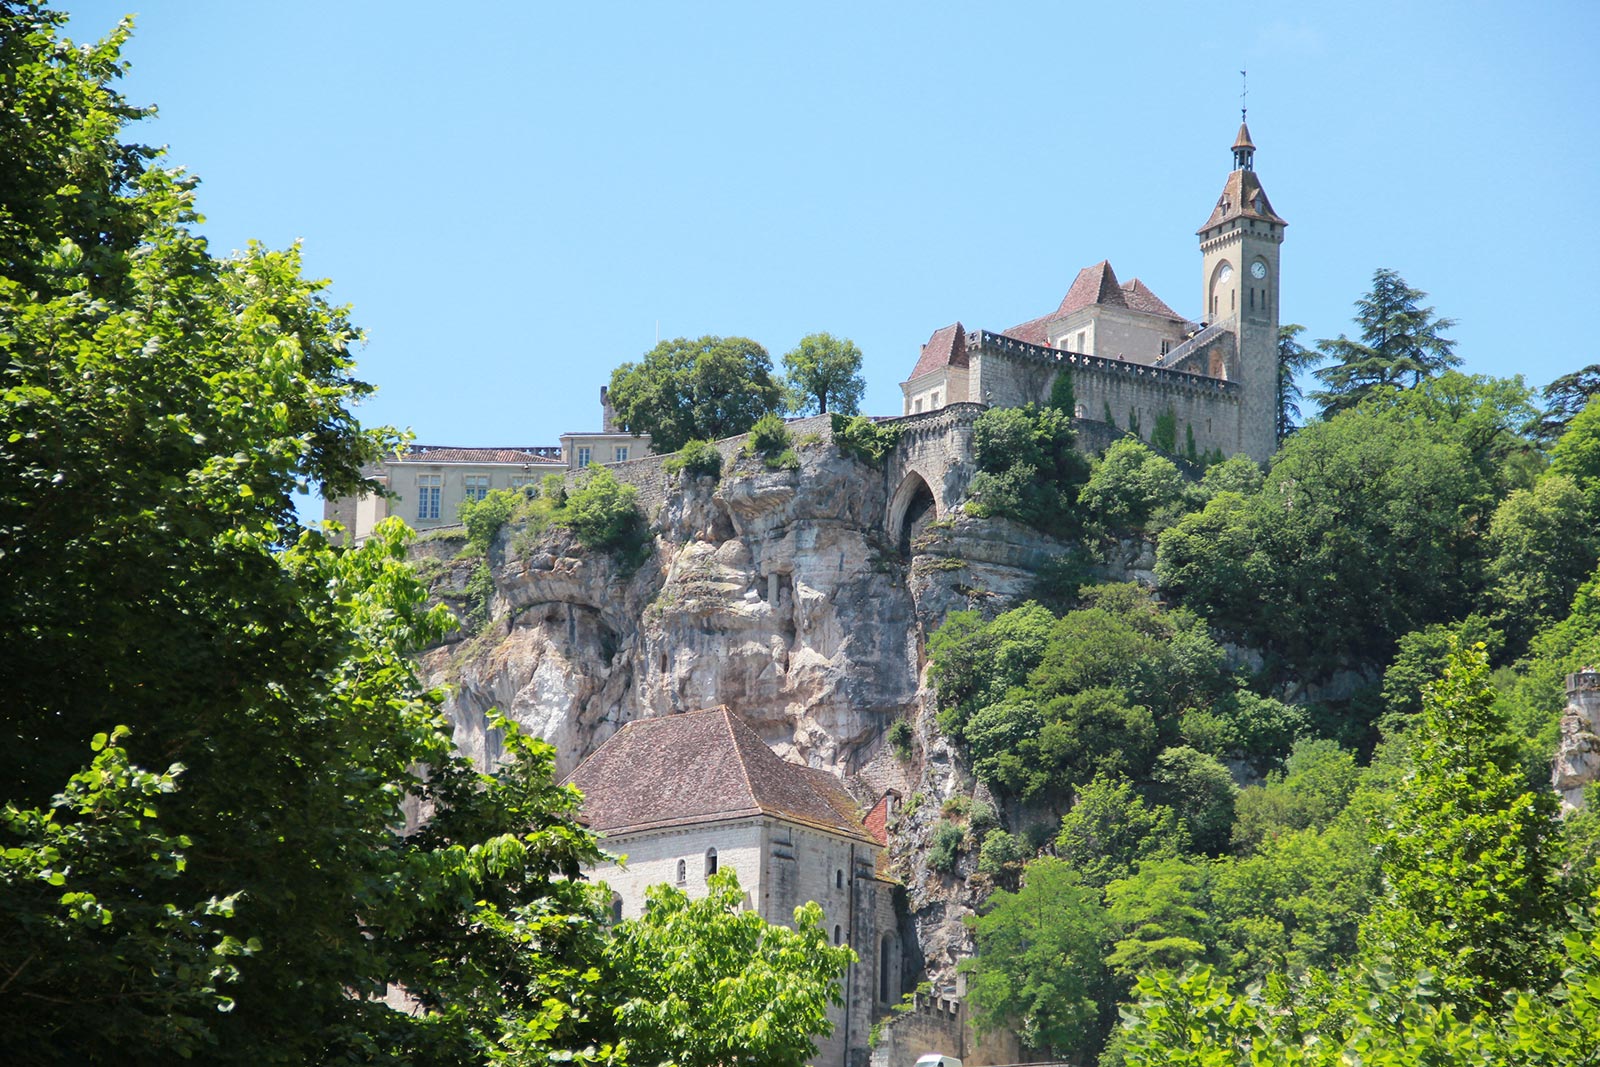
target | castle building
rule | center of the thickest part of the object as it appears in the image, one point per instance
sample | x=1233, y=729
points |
x=684, y=796
x=1131, y=357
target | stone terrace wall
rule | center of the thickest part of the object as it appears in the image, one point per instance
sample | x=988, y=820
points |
x=649, y=476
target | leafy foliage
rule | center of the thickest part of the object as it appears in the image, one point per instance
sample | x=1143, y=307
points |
x=483, y=518
x=769, y=439
x=1027, y=468
x=708, y=388
x=604, y=513
x=865, y=439
x=823, y=375
x=1133, y=488
x=711, y=984
x=1470, y=859
x=1038, y=962
x=699, y=458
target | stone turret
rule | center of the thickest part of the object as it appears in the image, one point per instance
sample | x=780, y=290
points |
x=1577, y=762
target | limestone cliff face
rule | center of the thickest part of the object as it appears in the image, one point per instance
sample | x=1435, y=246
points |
x=777, y=593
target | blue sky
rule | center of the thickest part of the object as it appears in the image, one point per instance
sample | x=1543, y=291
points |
x=516, y=198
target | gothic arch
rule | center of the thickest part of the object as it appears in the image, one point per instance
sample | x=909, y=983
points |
x=1215, y=311
x=912, y=507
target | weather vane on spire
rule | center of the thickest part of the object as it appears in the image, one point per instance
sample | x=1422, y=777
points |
x=1244, y=91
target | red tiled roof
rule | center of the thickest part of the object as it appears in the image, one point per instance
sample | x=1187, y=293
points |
x=877, y=820
x=1096, y=285
x=704, y=766
x=1240, y=194
x=448, y=454
x=946, y=348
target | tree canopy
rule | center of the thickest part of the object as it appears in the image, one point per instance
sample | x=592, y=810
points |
x=823, y=376
x=707, y=389
x=1401, y=343
x=214, y=730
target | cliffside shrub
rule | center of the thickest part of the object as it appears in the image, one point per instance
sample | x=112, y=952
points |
x=1028, y=468
x=899, y=738
x=999, y=853
x=769, y=439
x=604, y=513
x=696, y=457
x=483, y=518
x=946, y=847
x=868, y=441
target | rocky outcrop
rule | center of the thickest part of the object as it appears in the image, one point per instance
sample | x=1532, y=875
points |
x=777, y=593
x=1577, y=762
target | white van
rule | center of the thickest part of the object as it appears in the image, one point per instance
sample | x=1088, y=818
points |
x=933, y=1059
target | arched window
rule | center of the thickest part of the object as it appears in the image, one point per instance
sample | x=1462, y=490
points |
x=838, y=879
x=838, y=934
x=711, y=862
x=683, y=871
x=616, y=907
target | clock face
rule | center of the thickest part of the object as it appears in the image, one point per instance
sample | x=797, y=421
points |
x=1226, y=272
x=1258, y=270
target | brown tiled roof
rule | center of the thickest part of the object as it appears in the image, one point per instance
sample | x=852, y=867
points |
x=1243, y=140
x=1093, y=285
x=1238, y=200
x=1138, y=296
x=946, y=348
x=704, y=766
x=449, y=454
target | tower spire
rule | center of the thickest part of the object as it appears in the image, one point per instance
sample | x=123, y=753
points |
x=1243, y=149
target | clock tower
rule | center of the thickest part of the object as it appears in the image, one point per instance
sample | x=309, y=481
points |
x=1239, y=246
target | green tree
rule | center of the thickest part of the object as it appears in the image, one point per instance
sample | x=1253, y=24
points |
x=1158, y=917
x=1542, y=544
x=823, y=374
x=708, y=388
x=250, y=902
x=1470, y=858
x=1201, y=791
x=1401, y=344
x=711, y=984
x=1133, y=488
x=1110, y=830
x=1037, y=966
x=1368, y=527
x=1577, y=455
x=1293, y=358
x=1028, y=468
x=1563, y=399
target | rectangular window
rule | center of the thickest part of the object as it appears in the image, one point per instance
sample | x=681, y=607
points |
x=1166, y=346
x=427, y=496
x=935, y=402
x=477, y=486
x=916, y=405
x=584, y=455
x=1082, y=340
x=520, y=480
x=622, y=453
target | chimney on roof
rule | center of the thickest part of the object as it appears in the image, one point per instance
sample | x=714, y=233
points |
x=608, y=414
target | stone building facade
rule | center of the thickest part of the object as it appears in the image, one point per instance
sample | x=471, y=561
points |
x=1131, y=357
x=426, y=484
x=679, y=797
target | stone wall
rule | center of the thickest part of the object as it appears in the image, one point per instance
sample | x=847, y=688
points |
x=938, y=1023
x=1009, y=373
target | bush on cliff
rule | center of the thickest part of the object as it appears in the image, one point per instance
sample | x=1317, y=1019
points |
x=868, y=441
x=1028, y=468
x=697, y=458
